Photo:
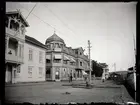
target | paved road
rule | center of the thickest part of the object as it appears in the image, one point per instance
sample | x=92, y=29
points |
x=54, y=92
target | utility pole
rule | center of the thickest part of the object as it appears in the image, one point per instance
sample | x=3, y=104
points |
x=89, y=61
x=134, y=71
x=114, y=66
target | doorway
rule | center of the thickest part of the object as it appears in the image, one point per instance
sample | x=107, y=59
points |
x=57, y=75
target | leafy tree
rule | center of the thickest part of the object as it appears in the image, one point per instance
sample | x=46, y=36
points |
x=97, y=68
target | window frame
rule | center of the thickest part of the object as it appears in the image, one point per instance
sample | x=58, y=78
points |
x=30, y=71
x=40, y=57
x=40, y=73
x=30, y=58
x=18, y=69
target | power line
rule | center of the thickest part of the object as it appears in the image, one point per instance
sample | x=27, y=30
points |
x=58, y=18
x=31, y=11
x=42, y=20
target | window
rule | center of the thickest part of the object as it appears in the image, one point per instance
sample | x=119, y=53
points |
x=40, y=57
x=57, y=61
x=48, y=61
x=30, y=71
x=71, y=63
x=65, y=62
x=76, y=52
x=80, y=63
x=14, y=25
x=20, y=50
x=48, y=46
x=40, y=71
x=30, y=55
x=56, y=45
x=22, y=29
x=18, y=69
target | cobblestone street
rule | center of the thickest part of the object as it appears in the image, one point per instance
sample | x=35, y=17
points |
x=54, y=92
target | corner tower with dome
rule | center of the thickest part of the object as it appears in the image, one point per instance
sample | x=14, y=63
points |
x=63, y=61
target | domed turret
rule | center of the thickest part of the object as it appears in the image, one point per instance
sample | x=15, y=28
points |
x=54, y=37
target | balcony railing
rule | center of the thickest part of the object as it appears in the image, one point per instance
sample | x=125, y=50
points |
x=58, y=49
x=13, y=58
x=15, y=33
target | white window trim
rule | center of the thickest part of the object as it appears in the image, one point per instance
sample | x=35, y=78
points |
x=40, y=57
x=29, y=54
x=40, y=75
x=30, y=76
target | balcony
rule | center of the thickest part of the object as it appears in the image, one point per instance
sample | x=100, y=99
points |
x=15, y=34
x=13, y=58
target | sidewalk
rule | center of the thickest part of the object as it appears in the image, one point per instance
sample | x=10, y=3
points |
x=95, y=84
x=26, y=84
x=98, y=83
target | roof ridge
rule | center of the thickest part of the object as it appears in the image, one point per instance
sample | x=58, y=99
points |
x=34, y=41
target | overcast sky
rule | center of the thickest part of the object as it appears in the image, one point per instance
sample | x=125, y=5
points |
x=109, y=27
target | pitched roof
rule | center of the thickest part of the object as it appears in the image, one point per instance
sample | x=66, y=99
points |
x=34, y=41
x=20, y=14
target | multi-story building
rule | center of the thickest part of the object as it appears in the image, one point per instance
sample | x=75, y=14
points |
x=28, y=60
x=33, y=69
x=15, y=39
x=61, y=61
x=24, y=55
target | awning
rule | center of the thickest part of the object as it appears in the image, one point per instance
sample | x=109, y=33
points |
x=72, y=60
x=57, y=57
x=84, y=73
x=66, y=58
x=48, y=57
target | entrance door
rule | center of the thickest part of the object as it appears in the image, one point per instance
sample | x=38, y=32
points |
x=57, y=76
x=14, y=76
x=9, y=74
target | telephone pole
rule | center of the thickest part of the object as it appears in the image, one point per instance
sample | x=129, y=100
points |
x=114, y=66
x=89, y=61
x=134, y=70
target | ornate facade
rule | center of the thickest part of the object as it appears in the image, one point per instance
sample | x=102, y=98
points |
x=61, y=61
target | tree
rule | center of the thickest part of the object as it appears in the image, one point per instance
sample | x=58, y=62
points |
x=97, y=68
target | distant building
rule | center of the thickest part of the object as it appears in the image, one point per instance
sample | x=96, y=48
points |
x=106, y=72
x=63, y=61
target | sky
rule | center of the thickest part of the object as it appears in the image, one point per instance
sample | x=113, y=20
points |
x=110, y=27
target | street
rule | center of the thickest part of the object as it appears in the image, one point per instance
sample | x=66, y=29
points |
x=51, y=92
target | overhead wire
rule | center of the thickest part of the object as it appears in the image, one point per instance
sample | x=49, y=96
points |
x=42, y=20
x=58, y=18
x=31, y=10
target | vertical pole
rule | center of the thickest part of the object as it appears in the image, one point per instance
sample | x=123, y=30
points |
x=7, y=44
x=89, y=61
x=115, y=66
x=9, y=22
x=134, y=67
